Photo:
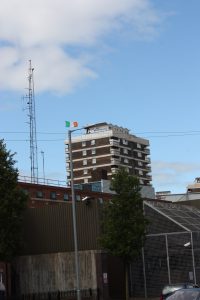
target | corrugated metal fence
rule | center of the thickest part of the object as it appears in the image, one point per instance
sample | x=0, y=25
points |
x=50, y=229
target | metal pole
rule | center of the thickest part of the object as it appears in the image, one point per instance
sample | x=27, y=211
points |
x=143, y=261
x=144, y=273
x=74, y=219
x=168, y=266
x=193, y=261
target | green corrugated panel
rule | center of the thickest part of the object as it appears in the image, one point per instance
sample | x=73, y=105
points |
x=50, y=229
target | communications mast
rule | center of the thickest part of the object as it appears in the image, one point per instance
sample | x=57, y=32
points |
x=32, y=126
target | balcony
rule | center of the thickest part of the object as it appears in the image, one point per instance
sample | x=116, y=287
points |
x=115, y=151
x=149, y=177
x=114, y=142
x=148, y=160
x=115, y=161
x=114, y=170
x=148, y=168
x=147, y=151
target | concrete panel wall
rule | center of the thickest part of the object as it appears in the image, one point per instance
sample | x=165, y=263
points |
x=53, y=272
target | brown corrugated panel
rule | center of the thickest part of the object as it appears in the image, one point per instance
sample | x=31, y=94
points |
x=49, y=229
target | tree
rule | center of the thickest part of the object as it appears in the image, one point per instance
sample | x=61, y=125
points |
x=12, y=205
x=124, y=224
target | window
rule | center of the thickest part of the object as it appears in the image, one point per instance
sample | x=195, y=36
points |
x=78, y=198
x=86, y=180
x=94, y=160
x=93, y=151
x=65, y=197
x=139, y=146
x=92, y=142
x=67, y=147
x=125, y=151
x=125, y=160
x=140, y=163
x=84, y=144
x=85, y=162
x=125, y=142
x=53, y=195
x=25, y=191
x=139, y=154
x=85, y=171
x=140, y=172
x=141, y=181
x=84, y=152
x=39, y=194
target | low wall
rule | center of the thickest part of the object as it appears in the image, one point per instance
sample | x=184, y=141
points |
x=55, y=272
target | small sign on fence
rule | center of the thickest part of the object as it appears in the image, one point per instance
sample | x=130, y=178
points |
x=105, y=278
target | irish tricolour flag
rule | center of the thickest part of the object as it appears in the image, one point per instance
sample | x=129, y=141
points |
x=71, y=124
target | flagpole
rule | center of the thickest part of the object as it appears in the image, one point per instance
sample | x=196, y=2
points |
x=74, y=217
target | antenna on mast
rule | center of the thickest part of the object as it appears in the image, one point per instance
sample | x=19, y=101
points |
x=32, y=125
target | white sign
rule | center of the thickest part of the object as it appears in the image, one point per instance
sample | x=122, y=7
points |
x=105, y=278
x=2, y=286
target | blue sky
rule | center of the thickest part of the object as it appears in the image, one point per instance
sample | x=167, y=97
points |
x=133, y=63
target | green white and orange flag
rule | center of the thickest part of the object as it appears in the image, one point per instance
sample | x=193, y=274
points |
x=71, y=124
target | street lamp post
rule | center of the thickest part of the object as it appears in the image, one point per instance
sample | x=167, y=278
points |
x=74, y=218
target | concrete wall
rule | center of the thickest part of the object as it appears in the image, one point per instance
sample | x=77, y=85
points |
x=53, y=272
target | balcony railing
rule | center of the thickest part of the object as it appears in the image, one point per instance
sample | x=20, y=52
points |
x=115, y=161
x=148, y=168
x=114, y=142
x=115, y=151
x=149, y=177
x=147, y=151
x=148, y=160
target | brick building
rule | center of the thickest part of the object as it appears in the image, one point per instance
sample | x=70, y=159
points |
x=102, y=149
x=42, y=195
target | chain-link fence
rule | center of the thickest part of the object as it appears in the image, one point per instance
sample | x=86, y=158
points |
x=166, y=258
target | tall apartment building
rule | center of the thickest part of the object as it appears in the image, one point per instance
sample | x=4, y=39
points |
x=105, y=148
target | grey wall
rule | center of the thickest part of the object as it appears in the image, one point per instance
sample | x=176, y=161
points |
x=52, y=272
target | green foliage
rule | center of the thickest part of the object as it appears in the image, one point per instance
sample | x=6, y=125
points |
x=124, y=223
x=12, y=205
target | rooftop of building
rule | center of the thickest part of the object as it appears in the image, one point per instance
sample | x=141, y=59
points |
x=104, y=129
x=104, y=126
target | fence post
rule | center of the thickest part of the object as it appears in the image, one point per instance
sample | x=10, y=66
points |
x=168, y=266
x=193, y=261
x=144, y=274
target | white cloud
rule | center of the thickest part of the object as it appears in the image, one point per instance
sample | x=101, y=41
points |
x=175, y=167
x=173, y=176
x=43, y=30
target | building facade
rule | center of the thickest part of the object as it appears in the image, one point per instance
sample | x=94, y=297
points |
x=41, y=195
x=103, y=149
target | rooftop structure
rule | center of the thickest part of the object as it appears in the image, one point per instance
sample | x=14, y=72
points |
x=195, y=187
x=192, y=193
